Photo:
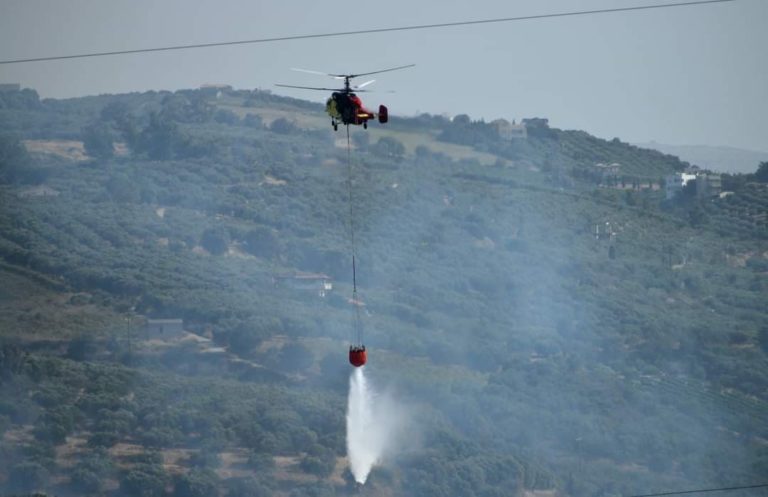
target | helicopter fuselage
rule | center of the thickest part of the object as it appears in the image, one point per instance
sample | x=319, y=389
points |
x=347, y=108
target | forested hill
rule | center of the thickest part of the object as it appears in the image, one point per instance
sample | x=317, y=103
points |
x=544, y=321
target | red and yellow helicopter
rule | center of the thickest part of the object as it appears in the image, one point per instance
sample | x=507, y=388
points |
x=345, y=106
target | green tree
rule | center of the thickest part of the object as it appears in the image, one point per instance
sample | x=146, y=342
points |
x=197, y=483
x=117, y=115
x=388, y=148
x=319, y=489
x=98, y=141
x=205, y=458
x=283, y=126
x=697, y=216
x=260, y=461
x=216, y=240
x=762, y=339
x=461, y=120
x=253, y=121
x=5, y=423
x=144, y=480
x=86, y=480
x=243, y=340
x=224, y=116
x=14, y=159
x=262, y=242
x=160, y=138
x=103, y=439
x=318, y=461
x=25, y=99
x=295, y=357
x=81, y=347
x=115, y=112
x=247, y=487
x=51, y=432
x=423, y=152
x=12, y=360
x=123, y=190
x=27, y=477
x=190, y=108
x=761, y=174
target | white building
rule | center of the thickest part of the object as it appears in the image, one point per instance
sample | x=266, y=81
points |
x=676, y=182
x=298, y=280
x=709, y=185
x=164, y=328
x=509, y=131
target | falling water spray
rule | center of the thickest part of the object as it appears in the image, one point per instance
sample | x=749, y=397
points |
x=366, y=435
x=376, y=425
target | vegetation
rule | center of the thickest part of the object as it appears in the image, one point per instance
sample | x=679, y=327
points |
x=542, y=327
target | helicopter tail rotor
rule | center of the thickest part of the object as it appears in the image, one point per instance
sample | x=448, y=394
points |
x=383, y=114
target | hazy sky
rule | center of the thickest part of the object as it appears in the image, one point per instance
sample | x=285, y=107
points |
x=690, y=75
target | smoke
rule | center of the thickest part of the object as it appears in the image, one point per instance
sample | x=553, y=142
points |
x=373, y=422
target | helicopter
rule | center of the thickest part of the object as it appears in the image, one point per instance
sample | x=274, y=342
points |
x=344, y=106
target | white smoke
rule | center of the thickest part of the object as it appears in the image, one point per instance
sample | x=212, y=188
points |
x=372, y=425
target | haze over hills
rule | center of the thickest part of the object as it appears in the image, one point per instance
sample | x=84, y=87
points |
x=543, y=320
x=714, y=158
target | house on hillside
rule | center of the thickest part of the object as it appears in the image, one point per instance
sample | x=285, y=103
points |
x=164, y=328
x=706, y=184
x=540, y=122
x=607, y=172
x=709, y=185
x=509, y=131
x=215, y=89
x=676, y=182
x=299, y=280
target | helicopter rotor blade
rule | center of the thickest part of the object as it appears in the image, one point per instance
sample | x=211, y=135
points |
x=375, y=72
x=309, y=88
x=310, y=71
x=372, y=91
x=350, y=76
x=363, y=85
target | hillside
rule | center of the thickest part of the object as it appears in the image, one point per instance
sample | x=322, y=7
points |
x=722, y=159
x=525, y=352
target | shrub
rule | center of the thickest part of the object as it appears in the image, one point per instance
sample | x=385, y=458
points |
x=98, y=141
x=144, y=480
x=27, y=477
x=262, y=242
x=197, y=483
x=253, y=121
x=216, y=240
x=295, y=357
x=283, y=126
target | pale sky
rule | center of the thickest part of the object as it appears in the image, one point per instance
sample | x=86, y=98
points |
x=686, y=75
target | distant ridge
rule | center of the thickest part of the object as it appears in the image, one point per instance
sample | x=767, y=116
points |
x=716, y=158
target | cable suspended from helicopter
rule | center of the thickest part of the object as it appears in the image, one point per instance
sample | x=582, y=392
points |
x=357, y=353
x=344, y=106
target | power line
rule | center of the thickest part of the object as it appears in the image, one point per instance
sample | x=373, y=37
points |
x=365, y=31
x=724, y=489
